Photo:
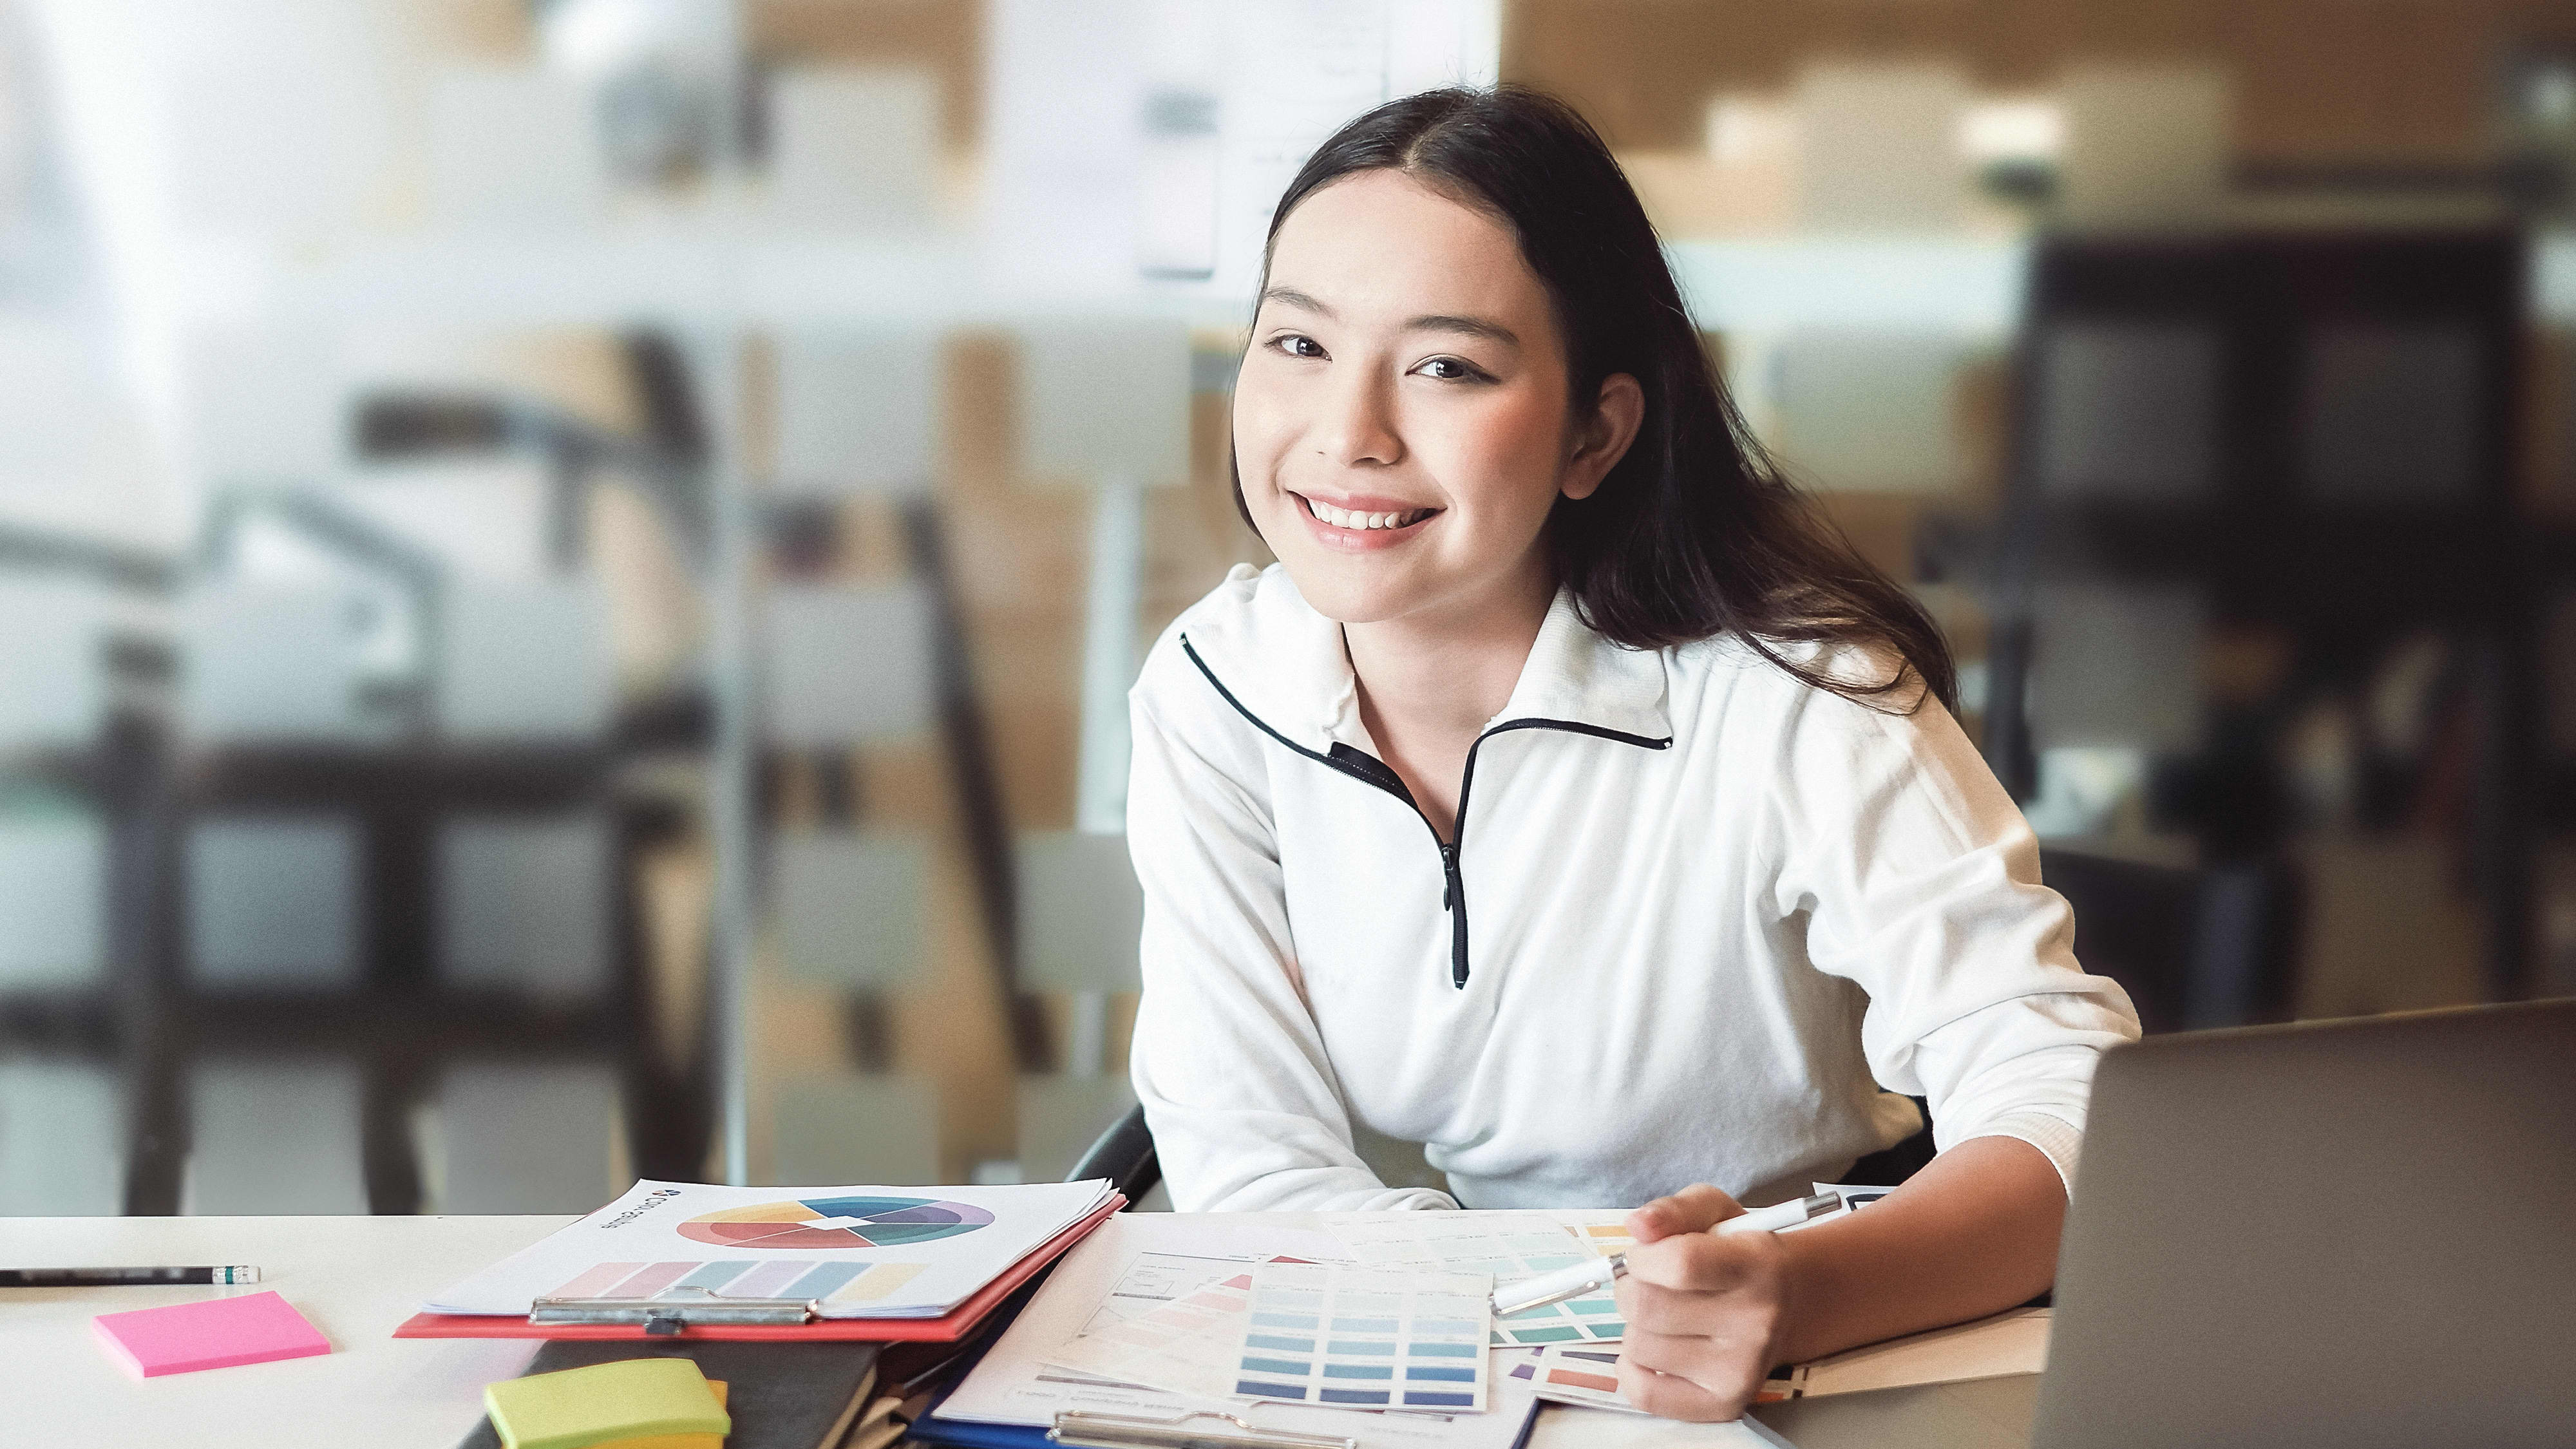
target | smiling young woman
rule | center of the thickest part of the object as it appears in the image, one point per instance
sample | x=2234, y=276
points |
x=1549, y=647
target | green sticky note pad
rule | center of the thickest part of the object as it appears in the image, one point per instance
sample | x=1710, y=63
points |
x=629, y=1399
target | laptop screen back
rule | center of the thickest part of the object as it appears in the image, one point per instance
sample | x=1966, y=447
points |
x=2348, y=1233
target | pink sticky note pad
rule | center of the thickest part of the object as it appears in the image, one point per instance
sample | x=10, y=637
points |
x=217, y=1333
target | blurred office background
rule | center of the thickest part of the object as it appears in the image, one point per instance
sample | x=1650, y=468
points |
x=568, y=568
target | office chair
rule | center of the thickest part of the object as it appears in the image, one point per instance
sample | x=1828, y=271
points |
x=2194, y=948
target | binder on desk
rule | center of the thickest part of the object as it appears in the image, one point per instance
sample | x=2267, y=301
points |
x=706, y=1316
x=1200, y=1429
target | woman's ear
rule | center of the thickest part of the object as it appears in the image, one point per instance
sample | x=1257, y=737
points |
x=1602, y=439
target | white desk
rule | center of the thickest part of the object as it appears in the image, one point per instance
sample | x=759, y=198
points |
x=355, y=1278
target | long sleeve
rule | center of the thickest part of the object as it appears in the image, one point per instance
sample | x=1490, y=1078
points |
x=1228, y=1061
x=1920, y=881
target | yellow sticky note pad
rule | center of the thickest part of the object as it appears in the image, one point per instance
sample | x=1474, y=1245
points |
x=580, y=1408
x=675, y=1441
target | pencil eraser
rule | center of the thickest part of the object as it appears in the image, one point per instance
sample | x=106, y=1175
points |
x=629, y=1399
x=214, y=1333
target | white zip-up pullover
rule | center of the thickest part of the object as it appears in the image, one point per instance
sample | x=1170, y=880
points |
x=1702, y=923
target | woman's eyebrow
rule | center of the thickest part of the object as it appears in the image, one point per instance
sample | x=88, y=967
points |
x=1295, y=298
x=1469, y=326
x=1429, y=322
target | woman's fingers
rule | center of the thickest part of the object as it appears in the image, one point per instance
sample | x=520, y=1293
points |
x=1700, y=1262
x=1694, y=1209
x=1673, y=1395
x=1701, y=1310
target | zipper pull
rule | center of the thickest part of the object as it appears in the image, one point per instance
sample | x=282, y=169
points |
x=1453, y=898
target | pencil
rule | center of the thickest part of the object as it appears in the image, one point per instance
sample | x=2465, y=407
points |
x=123, y=1277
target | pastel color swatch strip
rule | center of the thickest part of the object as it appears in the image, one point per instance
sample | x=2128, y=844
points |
x=1372, y=1338
x=839, y=1280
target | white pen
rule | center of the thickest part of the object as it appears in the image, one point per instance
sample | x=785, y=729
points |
x=1528, y=1293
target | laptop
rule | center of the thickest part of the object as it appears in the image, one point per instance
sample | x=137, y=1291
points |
x=2347, y=1233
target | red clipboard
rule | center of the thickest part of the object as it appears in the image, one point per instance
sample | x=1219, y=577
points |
x=955, y=1324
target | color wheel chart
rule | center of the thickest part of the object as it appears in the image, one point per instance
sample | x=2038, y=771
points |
x=836, y=1223
x=803, y=1226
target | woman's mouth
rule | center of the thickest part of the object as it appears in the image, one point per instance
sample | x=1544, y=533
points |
x=1362, y=520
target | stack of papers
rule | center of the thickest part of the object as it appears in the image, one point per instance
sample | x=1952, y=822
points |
x=862, y=1252
x=1155, y=1316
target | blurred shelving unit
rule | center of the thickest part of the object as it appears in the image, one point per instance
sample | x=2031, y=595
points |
x=2312, y=439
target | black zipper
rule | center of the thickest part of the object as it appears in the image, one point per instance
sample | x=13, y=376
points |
x=1369, y=769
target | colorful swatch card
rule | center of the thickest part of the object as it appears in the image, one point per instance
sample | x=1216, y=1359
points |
x=1186, y=1344
x=215, y=1333
x=1579, y=1374
x=1604, y=1238
x=1366, y=1338
x=1508, y=1246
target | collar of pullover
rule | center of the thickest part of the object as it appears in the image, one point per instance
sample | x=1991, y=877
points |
x=1285, y=664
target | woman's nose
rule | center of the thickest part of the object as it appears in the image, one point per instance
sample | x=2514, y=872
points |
x=1359, y=428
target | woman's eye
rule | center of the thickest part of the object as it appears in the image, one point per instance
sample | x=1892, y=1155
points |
x=1448, y=369
x=1298, y=345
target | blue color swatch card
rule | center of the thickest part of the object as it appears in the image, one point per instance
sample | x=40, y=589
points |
x=1366, y=1338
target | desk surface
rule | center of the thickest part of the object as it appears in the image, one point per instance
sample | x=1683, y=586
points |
x=355, y=1278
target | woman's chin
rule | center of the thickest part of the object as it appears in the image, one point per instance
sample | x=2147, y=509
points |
x=1350, y=590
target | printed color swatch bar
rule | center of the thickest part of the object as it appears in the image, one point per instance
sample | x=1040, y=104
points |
x=834, y=1281
x=1576, y=1375
x=1366, y=1338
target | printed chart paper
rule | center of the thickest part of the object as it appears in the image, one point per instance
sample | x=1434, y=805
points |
x=1366, y=1338
x=1153, y=1281
x=1016, y=1383
x=1186, y=1345
x=1508, y=1246
x=1157, y=1280
x=865, y=1252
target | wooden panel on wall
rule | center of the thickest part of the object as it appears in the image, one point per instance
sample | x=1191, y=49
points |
x=2381, y=81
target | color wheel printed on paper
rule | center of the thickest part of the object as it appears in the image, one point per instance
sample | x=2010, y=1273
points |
x=836, y=1223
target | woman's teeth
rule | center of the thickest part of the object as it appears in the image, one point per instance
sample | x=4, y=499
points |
x=1346, y=518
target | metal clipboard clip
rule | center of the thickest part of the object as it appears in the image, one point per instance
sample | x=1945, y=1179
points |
x=676, y=1310
x=1081, y=1429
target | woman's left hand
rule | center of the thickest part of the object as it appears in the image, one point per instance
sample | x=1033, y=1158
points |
x=1705, y=1314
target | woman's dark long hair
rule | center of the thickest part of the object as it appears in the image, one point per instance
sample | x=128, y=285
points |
x=1693, y=534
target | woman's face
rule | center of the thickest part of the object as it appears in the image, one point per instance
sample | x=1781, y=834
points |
x=1401, y=423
